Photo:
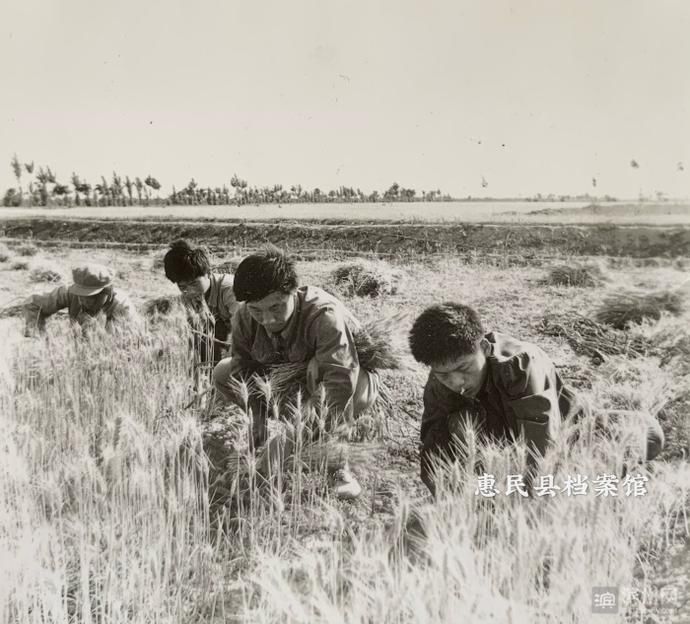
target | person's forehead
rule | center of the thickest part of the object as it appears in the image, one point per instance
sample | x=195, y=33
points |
x=450, y=365
x=269, y=300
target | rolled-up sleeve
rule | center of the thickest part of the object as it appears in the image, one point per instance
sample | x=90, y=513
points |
x=39, y=307
x=336, y=357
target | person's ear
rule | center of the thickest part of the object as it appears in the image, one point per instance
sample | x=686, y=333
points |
x=485, y=347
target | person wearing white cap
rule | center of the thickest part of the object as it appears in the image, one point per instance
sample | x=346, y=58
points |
x=91, y=293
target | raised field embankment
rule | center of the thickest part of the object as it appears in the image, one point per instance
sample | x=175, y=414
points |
x=640, y=241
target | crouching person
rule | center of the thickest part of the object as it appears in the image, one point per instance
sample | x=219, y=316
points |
x=209, y=294
x=92, y=293
x=508, y=387
x=279, y=322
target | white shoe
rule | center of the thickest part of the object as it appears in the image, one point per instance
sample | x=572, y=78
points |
x=345, y=485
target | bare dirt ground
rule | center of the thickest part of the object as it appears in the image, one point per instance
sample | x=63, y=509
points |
x=408, y=239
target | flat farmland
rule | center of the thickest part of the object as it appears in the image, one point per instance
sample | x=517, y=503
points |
x=522, y=212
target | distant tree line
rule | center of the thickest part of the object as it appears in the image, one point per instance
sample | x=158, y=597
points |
x=40, y=187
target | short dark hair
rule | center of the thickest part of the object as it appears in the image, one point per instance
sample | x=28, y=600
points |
x=183, y=263
x=263, y=273
x=445, y=332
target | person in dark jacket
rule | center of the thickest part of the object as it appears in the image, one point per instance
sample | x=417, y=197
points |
x=509, y=388
x=90, y=295
x=206, y=292
x=278, y=322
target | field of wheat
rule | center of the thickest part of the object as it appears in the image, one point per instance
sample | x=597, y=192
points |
x=112, y=510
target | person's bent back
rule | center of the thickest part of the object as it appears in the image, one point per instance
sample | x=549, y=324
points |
x=91, y=293
x=508, y=387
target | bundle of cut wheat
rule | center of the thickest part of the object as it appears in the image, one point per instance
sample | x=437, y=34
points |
x=14, y=308
x=195, y=308
x=620, y=309
x=588, y=337
x=677, y=354
x=378, y=347
x=379, y=344
x=582, y=275
x=162, y=306
x=44, y=274
x=367, y=279
x=228, y=455
x=287, y=379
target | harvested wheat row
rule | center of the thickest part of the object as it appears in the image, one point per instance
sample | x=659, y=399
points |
x=595, y=340
x=578, y=275
x=620, y=309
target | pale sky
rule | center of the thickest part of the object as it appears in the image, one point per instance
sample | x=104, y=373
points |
x=536, y=96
